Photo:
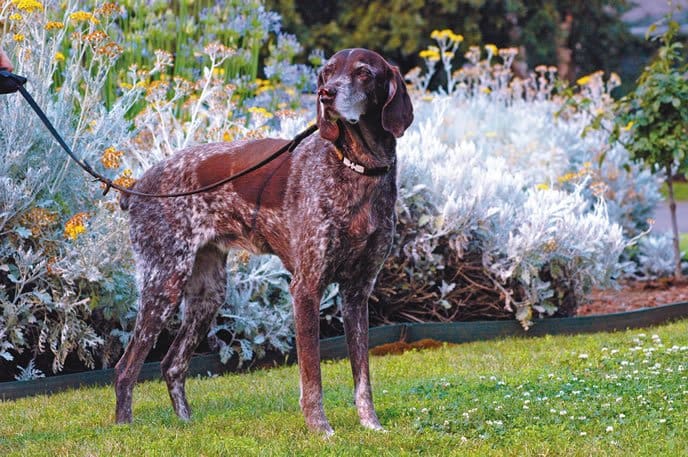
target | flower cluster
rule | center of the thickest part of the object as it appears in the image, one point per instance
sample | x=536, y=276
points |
x=84, y=16
x=111, y=158
x=28, y=6
x=126, y=179
x=75, y=226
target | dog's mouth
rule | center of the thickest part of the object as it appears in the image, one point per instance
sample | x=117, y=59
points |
x=329, y=113
x=332, y=115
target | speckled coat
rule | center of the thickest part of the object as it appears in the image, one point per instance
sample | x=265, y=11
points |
x=326, y=222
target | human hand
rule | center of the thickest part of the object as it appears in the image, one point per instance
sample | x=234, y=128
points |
x=5, y=61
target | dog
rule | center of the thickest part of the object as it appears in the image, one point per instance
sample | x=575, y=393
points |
x=326, y=209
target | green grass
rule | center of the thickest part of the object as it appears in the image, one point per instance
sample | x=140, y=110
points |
x=683, y=243
x=680, y=191
x=606, y=394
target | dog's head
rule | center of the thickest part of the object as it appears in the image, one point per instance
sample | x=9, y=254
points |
x=358, y=84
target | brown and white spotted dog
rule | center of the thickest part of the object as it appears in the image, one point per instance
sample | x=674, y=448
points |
x=326, y=209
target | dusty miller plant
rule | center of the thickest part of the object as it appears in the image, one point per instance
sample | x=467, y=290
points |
x=46, y=308
x=513, y=206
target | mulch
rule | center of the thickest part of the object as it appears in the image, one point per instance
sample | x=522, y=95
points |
x=633, y=295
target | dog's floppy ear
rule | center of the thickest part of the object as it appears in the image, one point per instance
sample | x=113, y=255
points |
x=397, y=113
x=329, y=130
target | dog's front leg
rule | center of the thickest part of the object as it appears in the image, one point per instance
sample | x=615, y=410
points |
x=355, y=312
x=307, y=323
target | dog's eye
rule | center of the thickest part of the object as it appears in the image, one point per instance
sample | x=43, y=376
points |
x=326, y=72
x=363, y=74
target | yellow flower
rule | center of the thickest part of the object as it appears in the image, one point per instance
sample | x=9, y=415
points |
x=19, y=37
x=53, y=25
x=110, y=158
x=628, y=126
x=28, y=5
x=542, y=186
x=125, y=179
x=75, y=226
x=568, y=177
x=446, y=34
x=260, y=111
x=59, y=57
x=584, y=80
x=83, y=16
x=432, y=54
x=456, y=37
x=485, y=90
x=491, y=49
x=227, y=136
x=16, y=17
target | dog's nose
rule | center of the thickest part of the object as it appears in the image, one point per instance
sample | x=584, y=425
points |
x=327, y=94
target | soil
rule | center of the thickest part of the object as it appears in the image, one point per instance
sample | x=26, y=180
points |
x=636, y=295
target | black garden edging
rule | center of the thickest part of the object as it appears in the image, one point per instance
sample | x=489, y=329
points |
x=335, y=348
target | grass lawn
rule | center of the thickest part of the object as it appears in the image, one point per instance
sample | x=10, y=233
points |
x=622, y=394
x=680, y=191
x=683, y=243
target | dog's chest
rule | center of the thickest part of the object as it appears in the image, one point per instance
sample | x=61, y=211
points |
x=365, y=214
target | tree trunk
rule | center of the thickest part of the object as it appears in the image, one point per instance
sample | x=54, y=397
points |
x=678, y=274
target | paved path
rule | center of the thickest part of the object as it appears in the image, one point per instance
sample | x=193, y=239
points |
x=663, y=217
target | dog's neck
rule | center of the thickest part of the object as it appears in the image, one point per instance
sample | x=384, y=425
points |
x=367, y=143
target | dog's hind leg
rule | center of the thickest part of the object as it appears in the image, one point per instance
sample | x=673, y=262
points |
x=204, y=294
x=161, y=291
x=355, y=314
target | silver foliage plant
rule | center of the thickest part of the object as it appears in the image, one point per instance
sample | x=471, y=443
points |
x=44, y=299
x=490, y=197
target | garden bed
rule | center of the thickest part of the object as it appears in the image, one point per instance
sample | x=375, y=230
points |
x=335, y=348
x=634, y=295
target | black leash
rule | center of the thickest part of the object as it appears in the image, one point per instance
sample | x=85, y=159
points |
x=9, y=83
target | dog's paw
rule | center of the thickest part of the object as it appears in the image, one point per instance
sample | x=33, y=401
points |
x=324, y=430
x=373, y=425
x=320, y=425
